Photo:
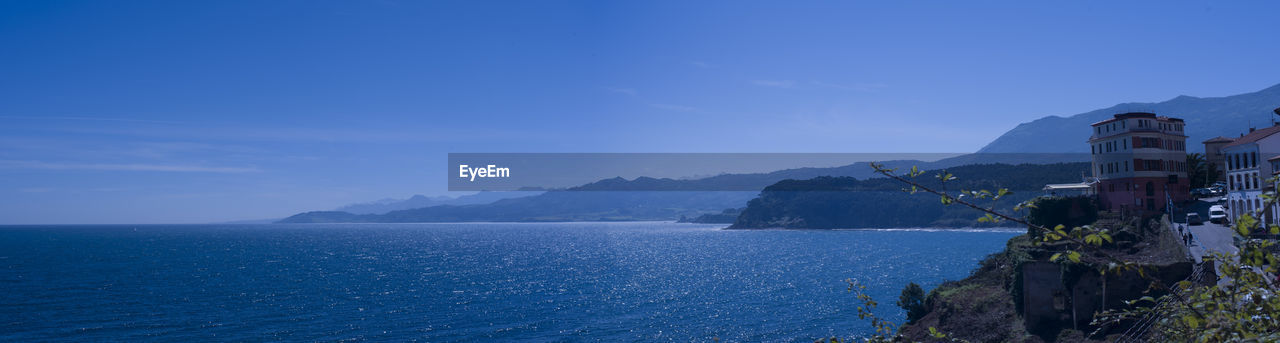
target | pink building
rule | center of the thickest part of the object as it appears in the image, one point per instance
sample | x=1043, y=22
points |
x=1140, y=160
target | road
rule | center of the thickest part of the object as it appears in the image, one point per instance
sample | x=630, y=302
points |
x=1209, y=238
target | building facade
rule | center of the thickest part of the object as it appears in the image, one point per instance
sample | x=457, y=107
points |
x=1213, y=155
x=1140, y=161
x=1248, y=169
x=1273, y=213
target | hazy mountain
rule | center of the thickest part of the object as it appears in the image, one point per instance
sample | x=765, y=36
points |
x=554, y=206
x=420, y=201
x=1206, y=118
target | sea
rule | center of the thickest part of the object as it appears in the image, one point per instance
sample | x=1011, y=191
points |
x=464, y=282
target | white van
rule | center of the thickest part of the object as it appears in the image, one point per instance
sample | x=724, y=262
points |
x=1217, y=214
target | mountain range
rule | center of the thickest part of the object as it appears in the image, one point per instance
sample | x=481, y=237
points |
x=1228, y=116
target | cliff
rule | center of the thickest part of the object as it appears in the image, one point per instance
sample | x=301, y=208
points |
x=1016, y=295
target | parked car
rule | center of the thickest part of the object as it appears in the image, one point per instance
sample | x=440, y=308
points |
x=1217, y=191
x=1217, y=214
x=1194, y=219
x=1201, y=193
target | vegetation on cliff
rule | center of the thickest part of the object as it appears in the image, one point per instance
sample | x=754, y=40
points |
x=1244, y=308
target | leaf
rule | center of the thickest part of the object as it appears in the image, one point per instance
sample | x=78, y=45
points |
x=1074, y=256
x=933, y=332
x=1093, y=239
x=1191, y=321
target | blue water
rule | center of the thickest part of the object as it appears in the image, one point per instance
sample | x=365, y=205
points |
x=461, y=282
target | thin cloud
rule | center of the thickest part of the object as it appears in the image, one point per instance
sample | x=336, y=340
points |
x=859, y=87
x=701, y=64
x=670, y=107
x=126, y=120
x=20, y=164
x=302, y=134
x=774, y=83
x=627, y=91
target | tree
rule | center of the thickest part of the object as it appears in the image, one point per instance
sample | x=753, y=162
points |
x=912, y=300
x=1200, y=172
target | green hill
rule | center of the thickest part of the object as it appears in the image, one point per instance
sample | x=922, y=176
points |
x=843, y=202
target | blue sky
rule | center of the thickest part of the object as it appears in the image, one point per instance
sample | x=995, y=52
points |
x=183, y=112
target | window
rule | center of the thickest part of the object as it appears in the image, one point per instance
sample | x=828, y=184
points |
x=1124, y=144
x=1149, y=142
x=1254, y=160
x=1126, y=166
x=1153, y=165
x=1151, y=187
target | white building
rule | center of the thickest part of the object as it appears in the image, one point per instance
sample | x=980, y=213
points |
x=1248, y=169
x=1140, y=160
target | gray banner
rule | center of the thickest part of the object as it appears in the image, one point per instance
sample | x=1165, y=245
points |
x=691, y=171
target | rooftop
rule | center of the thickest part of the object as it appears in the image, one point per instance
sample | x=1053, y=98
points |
x=1138, y=115
x=1068, y=186
x=1218, y=139
x=1254, y=136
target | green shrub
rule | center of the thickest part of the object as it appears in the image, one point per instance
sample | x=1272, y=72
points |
x=912, y=300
